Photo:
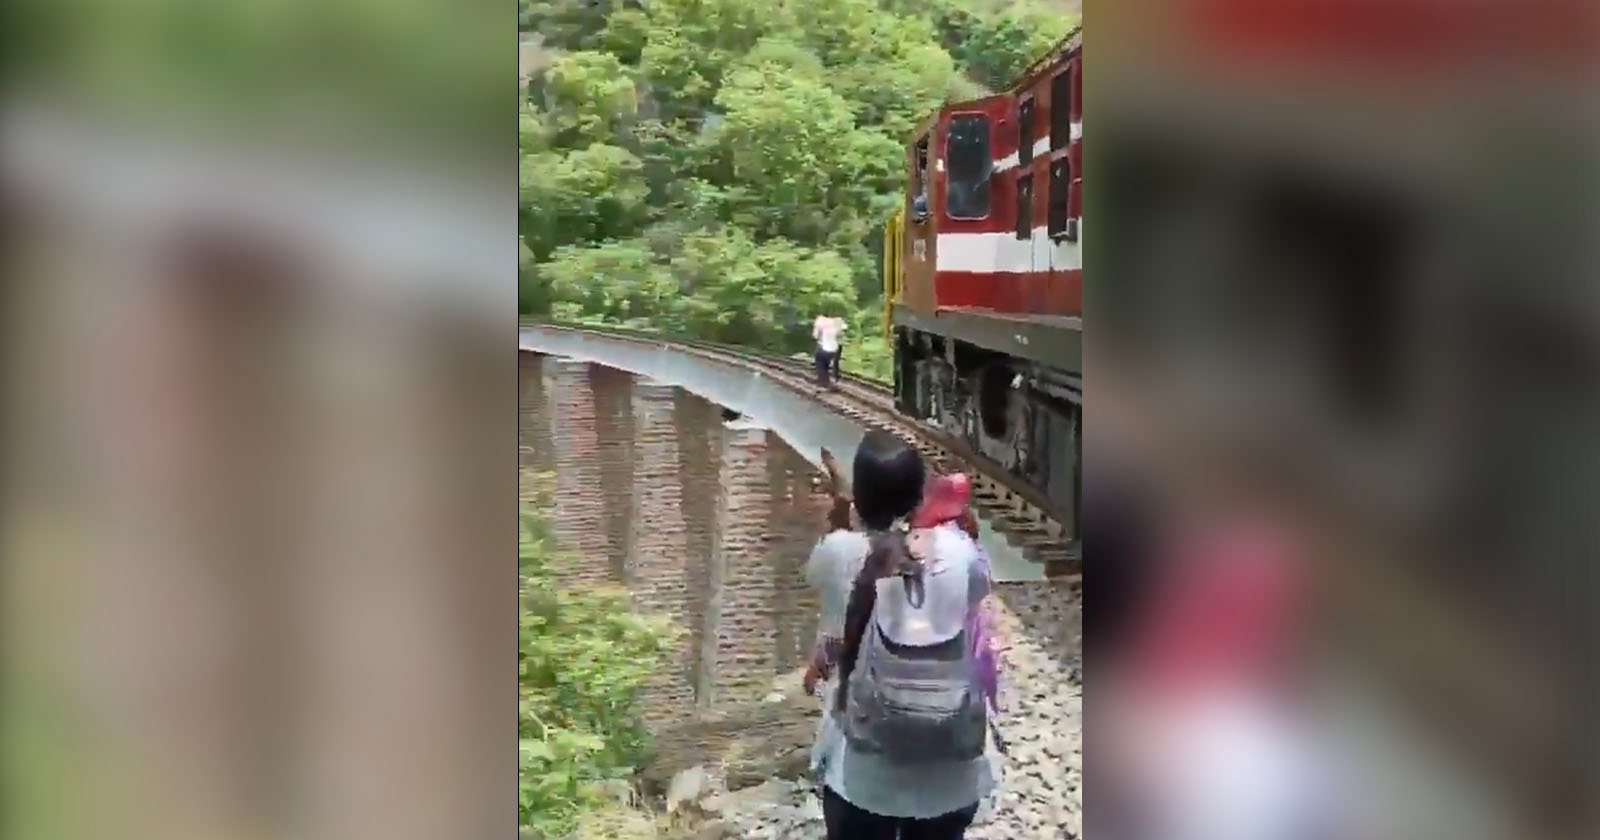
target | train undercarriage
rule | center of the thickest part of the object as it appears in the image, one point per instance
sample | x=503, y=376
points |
x=1023, y=415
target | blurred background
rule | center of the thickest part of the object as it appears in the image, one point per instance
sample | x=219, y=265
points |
x=1341, y=447
x=258, y=506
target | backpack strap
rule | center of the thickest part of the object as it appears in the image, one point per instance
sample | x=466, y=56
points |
x=911, y=573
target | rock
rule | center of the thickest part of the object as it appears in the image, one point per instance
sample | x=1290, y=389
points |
x=688, y=786
x=617, y=790
x=750, y=799
x=787, y=763
x=718, y=830
x=775, y=808
x=775, y=697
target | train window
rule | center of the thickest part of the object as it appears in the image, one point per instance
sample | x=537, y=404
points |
x=919, y=175
x=1025, y=132
x=1025, y=207
x=1077, y=89
x=1060, y=193
x=919, y=181
x=969, y=165
x=1061, y=109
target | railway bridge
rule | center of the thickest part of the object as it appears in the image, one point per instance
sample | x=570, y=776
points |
x=797, y=419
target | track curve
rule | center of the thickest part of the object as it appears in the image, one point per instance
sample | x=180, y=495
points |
x=1017, y=512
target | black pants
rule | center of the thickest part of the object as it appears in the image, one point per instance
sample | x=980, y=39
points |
x=847, y=822
x=824, y=362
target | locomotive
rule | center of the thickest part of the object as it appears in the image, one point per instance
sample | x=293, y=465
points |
x=983, y=278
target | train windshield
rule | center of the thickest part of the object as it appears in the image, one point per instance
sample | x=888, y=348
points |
x=970, y=163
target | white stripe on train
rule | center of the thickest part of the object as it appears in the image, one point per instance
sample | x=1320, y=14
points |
x=1041, y=147
x=1004, y=252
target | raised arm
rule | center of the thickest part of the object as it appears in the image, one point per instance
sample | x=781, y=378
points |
x=841, y=505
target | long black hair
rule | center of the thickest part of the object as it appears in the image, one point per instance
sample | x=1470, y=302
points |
x=889, y=477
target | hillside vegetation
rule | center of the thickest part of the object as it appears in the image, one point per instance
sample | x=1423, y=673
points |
x=722, y=168
x=583, y=659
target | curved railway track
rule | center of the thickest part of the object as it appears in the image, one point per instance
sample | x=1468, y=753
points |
x=1018, y=512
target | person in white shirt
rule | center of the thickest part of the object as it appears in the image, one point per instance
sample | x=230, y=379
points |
x=826, y=331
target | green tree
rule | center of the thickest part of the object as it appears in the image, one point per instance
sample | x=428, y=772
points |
x=692, y=43
x=533, y=291
x=787, y=137
x=566, y=24
x=626, y=33
x=999, y=47
x=590, y=96
x=867, y=351
x=587, y=195
x=741, y=292
x=615, y=282
x=533, y=131
x=889, y=67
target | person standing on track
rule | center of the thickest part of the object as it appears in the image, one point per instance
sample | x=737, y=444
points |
x=826, y=330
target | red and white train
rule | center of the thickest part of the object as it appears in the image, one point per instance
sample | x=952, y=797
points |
x=983, y=275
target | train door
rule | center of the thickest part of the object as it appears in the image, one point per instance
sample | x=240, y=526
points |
x=1064, y=197
x=975, y=194
x=1032, y=246
x=919, y=235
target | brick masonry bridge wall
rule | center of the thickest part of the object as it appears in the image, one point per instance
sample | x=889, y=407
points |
x=703, y=521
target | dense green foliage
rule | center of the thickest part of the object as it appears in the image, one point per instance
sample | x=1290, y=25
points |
x=583, y=658
x=722, y=169
x=380, y=74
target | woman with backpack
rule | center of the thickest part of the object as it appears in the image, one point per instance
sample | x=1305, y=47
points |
x=901, y=751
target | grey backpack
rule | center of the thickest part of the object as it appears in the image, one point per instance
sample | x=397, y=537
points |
x=915, y=705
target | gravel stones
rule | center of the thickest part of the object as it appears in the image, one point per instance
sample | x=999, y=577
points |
x=776, y=809
x=1041, y=715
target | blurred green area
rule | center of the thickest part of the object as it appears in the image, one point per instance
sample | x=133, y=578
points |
x=44, y=760
x=722, y=169
x=392, y=72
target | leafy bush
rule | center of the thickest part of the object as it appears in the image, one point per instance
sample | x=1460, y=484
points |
x=583, y=658
x=867, y=351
